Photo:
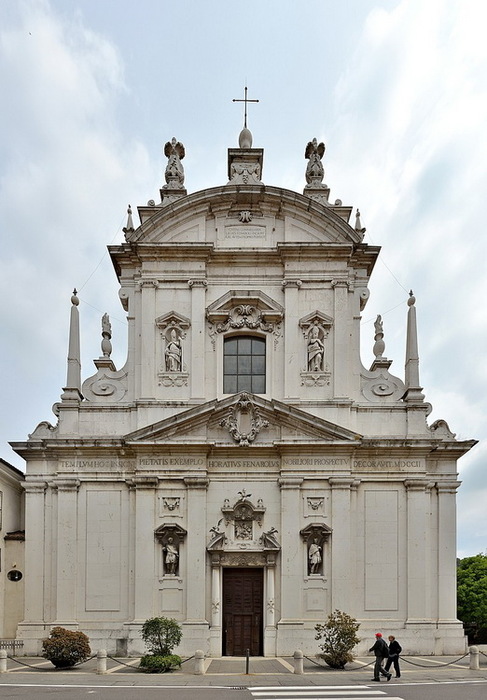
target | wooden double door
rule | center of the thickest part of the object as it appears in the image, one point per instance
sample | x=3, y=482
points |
x=243, y=595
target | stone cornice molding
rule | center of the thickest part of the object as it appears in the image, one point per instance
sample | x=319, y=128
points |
x=290, y=482
x=341, y=482
x=196, y=482
x=66, y=484
x=342, y=283
x=35, y=487
x=418, y=484
x=447, y=486
x=145, y=482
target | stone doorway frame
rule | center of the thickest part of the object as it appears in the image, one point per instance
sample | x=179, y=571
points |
x=263, y=559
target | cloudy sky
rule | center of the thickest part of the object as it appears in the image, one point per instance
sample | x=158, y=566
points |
x=397, y=89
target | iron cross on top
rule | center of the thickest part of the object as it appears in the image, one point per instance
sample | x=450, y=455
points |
x=245, y=99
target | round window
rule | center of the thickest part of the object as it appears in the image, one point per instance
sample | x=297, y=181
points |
x=14, y=575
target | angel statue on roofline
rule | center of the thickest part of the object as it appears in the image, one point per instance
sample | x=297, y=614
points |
x=314, y=171
x=174, y=151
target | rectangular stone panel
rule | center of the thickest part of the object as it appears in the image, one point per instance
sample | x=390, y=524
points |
x=381, y=550
x=103, y=550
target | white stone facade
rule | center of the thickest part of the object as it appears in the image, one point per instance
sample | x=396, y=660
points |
x=248, y=516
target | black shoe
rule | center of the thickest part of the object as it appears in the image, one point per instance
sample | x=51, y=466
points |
x=389, y=676
x=398, y=675
x=375, y=679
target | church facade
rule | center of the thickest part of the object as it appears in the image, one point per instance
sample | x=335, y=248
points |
x=243, y=472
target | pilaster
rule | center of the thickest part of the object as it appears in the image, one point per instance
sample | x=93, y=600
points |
x=447, y=564
x=198, y=337
x=418, y=555
x=341, y=348
x=67, y=551
x=148, y=352
x=35, y=579
x=196, y=548
x=293, y=360
x=145, y=487
x=341, y=545
x=291, y=573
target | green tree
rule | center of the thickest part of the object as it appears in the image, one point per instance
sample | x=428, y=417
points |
x=472, y=595
x=161, y=635
x=339, y=636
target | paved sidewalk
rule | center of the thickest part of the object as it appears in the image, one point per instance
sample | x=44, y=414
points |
x=230, y=672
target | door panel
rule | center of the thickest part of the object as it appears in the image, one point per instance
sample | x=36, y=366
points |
x=242, y=611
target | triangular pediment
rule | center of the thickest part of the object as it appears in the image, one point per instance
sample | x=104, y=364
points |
x=244, y=420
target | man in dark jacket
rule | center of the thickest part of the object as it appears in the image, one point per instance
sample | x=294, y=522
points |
x=394, y=651
x=381, y=651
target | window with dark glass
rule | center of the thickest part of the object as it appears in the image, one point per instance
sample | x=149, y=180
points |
x=244, y=365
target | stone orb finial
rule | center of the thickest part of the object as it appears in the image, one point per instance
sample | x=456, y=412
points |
x=245, y=138
x=412, y=299
x=74, y=298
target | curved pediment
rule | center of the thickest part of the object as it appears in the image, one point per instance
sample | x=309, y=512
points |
x=244, y=215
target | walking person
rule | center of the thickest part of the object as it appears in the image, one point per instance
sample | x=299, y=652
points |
x=381, y=651
x=394, y=650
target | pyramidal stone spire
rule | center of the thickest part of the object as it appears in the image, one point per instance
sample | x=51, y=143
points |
x=413, y=389
x=129, y=228
x=72, y=390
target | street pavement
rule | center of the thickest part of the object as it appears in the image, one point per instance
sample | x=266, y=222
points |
x=230, y=672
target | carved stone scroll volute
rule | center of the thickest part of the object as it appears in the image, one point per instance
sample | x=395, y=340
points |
x=244, y=421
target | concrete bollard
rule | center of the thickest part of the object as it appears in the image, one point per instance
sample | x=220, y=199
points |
x=199, y=662
x=298, y=662
x=474, y=658
x=3, y=661
x=101, y=661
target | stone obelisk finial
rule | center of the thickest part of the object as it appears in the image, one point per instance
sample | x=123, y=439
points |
x=413, y=388
x=72, y=390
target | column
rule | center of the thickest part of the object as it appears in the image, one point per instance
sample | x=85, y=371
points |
x=35, y=551
x=144, y=579
x=196, y=549
x=198, y=338
x=148, y=353
x=342, y=361
x=447, y=552
x=341, y=545
x=294, y=354
x=418, y=554
x=67, y=551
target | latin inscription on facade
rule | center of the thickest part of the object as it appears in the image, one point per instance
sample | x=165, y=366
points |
x=244, y=463
x=317, y=462
x=245, y=232
x=97, y=464
x=388, y=464
x=171, y=462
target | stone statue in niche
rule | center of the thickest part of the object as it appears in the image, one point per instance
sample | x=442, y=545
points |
x=173, y=352
x=171, y=557
x=316, y=348
x=314, y=557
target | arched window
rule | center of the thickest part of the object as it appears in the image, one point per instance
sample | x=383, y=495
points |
x=244, y=365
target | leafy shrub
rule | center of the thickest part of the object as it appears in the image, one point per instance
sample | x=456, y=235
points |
x=65, y=648
x=161, y=635
x=159, y=664
x=339, y=635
